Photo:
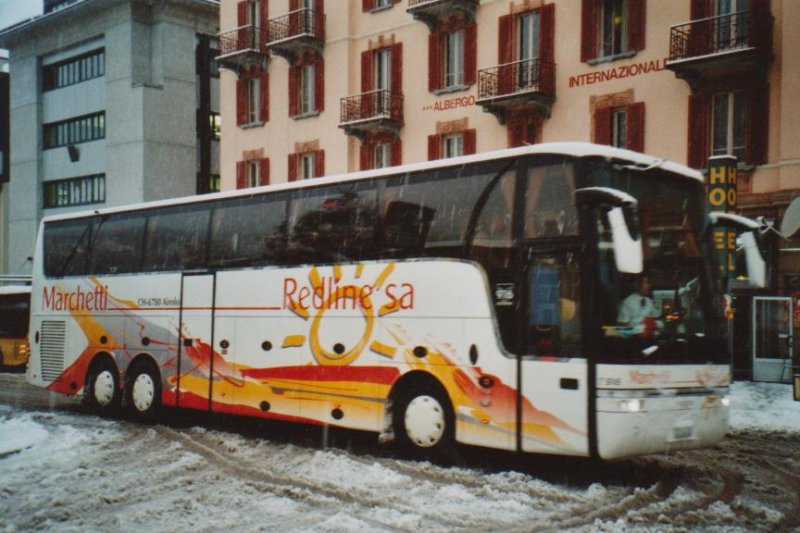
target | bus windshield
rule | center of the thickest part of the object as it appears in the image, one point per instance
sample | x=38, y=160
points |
x=669, y=313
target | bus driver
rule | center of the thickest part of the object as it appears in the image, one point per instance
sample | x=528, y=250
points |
x=637, y=310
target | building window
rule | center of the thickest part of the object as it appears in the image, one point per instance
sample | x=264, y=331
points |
x=733, y=119
x=377, y=5
x=382, y=156
x=306, y=165
x=452, y=58
x=523, y=130
x=611, y=28
x=216, y=125
x=621, y=126
x=252, y=98
x=74, y=70
x=75, y=191
x=252, y=173
x=75, y=130
x=728, y=124
x=451, y=144
x=306, y=83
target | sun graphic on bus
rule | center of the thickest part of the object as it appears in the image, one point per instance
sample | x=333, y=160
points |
x=341, y=307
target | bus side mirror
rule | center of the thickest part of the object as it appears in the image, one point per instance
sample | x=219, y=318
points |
x=623, y=219
x=747, y=228
x=756, y=267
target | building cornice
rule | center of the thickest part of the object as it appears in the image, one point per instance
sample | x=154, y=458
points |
x=29, y=29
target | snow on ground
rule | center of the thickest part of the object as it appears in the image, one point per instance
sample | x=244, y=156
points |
x=67, y=471
x=768, y=406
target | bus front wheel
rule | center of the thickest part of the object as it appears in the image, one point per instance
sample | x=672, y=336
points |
x=102, y=387
x=423, y=420
x=144, y=391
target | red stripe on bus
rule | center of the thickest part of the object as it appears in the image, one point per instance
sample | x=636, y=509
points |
x=369, y=374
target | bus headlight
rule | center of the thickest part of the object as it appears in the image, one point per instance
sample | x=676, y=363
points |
x=633, y=405
x=725, y=401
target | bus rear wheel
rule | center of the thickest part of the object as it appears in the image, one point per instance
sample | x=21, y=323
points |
x=102, y=387
x=423, y=420
x=144, y=391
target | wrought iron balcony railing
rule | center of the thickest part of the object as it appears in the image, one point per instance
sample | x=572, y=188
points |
x=717, y=35
x=243, y=39
x=517, y=78
x=379, y=105
x=303, y=22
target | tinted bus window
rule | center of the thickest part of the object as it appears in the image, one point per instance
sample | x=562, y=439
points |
x=117, y=245
x=332, y=224
x=549, y=205
x=14, y=310
x=66, y=247
x=248, y=231
x=434, y=206
x=176, y=238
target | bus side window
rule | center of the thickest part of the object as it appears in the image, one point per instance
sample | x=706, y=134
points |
x=66, y=247
x=549, y=205
x=250, y=231
x=176, y=239
x=553, y=324
x=117, y=245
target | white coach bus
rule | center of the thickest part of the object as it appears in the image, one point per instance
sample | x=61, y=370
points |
x=473, y=300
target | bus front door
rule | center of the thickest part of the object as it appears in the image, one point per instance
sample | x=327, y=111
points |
x=554, y=382
x=196, y=361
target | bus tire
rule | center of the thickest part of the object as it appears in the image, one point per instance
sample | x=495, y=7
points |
x=143, y=391
x=103, y=393
x=423, y=420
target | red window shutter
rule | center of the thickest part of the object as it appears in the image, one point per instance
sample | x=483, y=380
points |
x=434, y=62
x=319, y=84
x=293, y=90
x=470, y=141
x=515, y=133
x=263, y=111
x=294, y=5
x=263, y=25
x=242, y=40
x=366, y=84
x=263, y=171
x=366, y=5
x=434, y=147
x=757, y=124
x=293, y=167
x=319, y=163
x=602, y=125
x=505, y=43
x=588, y=30
x=471, y=54
x=397, y=68
x=636, y=24
x=294, y=19
x=241, y=174
x=547, y=82
x=241, y=102
x=699, y=9
x=505, y=54
x=365, y=156
x=698, y=151
x=635, y=133
x=320, y=6
x=397, y=153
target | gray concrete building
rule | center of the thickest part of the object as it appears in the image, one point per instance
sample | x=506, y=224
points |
x=112, y=102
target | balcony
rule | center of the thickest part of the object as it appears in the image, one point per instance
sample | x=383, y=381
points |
x=373, y=112
x=243, y=47
x=292, y=34
x=739, y=44
x=522, y=85
x=431, y=11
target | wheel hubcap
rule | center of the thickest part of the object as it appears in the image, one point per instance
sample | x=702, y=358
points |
x=104, y=388
x=425, y=422
x=143, y=392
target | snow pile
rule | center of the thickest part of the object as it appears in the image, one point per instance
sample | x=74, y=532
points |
x=20, y=433
x=766, y=406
